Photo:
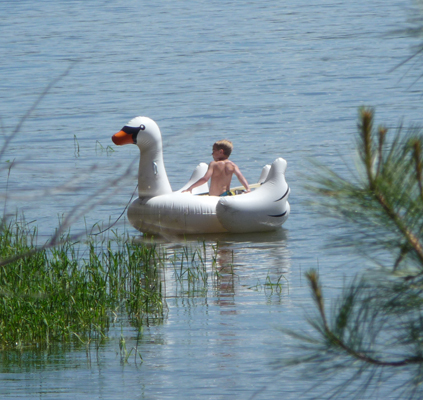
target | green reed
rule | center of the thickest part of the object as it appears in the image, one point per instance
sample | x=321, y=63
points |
x=196, y=268
x=74, y=290
x=271, y=286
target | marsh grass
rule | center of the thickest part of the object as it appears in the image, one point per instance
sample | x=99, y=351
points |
x=125, y=354
x=100, y=148
x=270, y=286
x=197, y=269
x=73, y=291
x=76, y=145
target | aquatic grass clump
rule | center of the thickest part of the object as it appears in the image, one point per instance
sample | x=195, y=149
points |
x=74, y=290
x=270, y=286
x=200, y=268
x=190, y=269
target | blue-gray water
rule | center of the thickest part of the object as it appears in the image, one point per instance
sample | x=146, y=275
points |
x=278, y=79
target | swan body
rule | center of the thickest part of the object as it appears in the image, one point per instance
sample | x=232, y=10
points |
x=159, y=210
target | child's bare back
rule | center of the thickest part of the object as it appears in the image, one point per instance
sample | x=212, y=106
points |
x=221, y=176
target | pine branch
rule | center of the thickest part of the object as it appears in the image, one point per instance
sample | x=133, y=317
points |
x=386, y=204
x=367, y=155
x=335, y=341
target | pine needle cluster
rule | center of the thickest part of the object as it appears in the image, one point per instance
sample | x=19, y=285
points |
x=373, y=334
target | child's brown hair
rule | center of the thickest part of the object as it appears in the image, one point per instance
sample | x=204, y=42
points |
x=225, y=145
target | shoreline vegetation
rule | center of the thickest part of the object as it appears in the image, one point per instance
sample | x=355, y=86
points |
x=76, y=291
x=73, y=290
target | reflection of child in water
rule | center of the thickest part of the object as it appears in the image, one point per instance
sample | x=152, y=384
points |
x=220, y=171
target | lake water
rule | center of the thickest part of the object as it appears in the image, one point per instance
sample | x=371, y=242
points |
x=280, y=79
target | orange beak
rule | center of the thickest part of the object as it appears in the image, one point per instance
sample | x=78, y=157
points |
x=121, y=138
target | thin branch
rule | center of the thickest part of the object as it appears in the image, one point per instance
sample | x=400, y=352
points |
x=313, y=279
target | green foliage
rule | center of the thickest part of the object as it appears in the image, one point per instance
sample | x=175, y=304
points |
x=384, y=202
x=374, y=333
x=57, y=294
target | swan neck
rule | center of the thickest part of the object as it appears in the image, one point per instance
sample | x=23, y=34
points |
x=152, y=176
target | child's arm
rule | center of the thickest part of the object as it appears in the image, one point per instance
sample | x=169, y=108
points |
x=202, y=180
x=241, y=178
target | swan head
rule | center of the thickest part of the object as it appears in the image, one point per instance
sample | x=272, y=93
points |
x=142, y=131
x=145, y=133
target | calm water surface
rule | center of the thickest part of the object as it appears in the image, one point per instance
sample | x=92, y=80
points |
x=278, y=79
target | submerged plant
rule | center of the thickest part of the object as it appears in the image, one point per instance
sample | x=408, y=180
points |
x=270, y=286
x=99, y=147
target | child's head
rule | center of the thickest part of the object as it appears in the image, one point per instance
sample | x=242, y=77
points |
x=225, y=145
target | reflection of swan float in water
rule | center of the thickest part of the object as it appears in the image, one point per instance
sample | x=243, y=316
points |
x=159, y=210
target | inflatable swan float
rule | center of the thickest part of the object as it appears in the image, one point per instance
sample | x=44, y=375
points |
x=159, y=210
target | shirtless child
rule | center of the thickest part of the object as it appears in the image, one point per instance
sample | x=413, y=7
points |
x=220, y=171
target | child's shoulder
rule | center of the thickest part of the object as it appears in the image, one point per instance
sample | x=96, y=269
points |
x=229, y=162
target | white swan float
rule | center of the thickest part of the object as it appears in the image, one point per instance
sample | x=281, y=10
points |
x=160, y=210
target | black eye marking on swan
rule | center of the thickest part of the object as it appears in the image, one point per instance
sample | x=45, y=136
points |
x=130, y=130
